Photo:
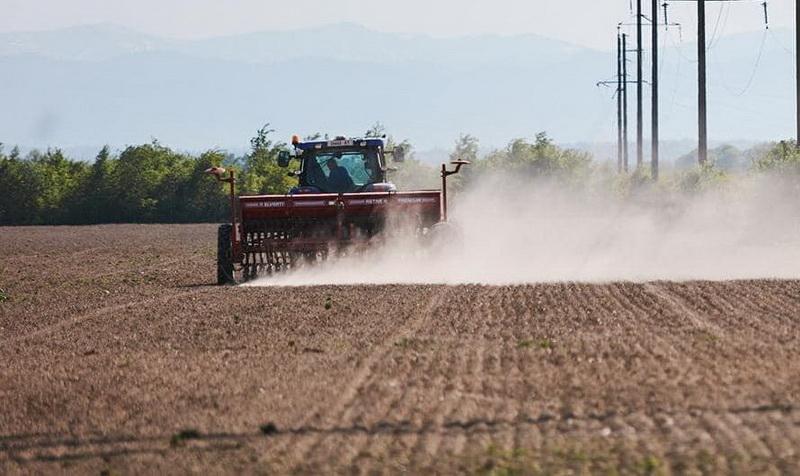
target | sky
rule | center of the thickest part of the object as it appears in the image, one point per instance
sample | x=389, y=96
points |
x=585, y=22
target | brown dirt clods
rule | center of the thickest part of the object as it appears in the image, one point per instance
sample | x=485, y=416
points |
x=119, y=355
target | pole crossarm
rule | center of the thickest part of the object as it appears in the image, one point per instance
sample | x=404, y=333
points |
x=650, y=24
x=614, y=81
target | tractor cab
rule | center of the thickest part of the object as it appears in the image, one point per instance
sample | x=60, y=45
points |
x=341, y=165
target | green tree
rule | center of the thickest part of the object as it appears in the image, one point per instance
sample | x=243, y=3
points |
x=413, y=174
x=147, y=180
x=206, y=199
x=59, y=182
x=98, y=198
x=147, y=183
x=19, y=188
x=700, y=178
x=541, y=158
x=42, y=188
x=466, y=148
x=781, y=157
x=262, y=173
x=725, y=157
x=174, y=190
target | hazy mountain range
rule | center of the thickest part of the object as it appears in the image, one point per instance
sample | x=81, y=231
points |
x=86, y=86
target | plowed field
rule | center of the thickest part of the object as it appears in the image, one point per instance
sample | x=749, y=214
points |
x=119, y=355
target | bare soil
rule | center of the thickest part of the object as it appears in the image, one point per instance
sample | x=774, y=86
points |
x=120, y=355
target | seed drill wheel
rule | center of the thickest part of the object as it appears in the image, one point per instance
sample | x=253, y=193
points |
x=442, y=236
x=225, y=255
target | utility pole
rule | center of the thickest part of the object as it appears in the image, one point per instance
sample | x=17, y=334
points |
x=702, y=102
x=797, y=63
x=621, y=82
x=702, y=143
x=625, y=154
x=619, y=102
x=639, y=109
x=654, y=108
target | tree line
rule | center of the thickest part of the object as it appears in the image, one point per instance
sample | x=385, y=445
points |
x=151, y=183
x=148, y=183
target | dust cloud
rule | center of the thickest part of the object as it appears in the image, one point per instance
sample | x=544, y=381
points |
x=511, y=232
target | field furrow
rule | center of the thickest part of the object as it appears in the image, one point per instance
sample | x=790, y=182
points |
x=123, y=357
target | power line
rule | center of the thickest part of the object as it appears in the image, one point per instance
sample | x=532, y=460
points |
x=702, y=96
x=780, y=44
x=676, y=84
x=753, y=73
x=714, y=38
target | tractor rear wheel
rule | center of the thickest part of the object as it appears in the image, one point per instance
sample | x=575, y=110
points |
x=225, y=255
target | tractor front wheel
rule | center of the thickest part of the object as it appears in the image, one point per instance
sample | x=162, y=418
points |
x=225, y=255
